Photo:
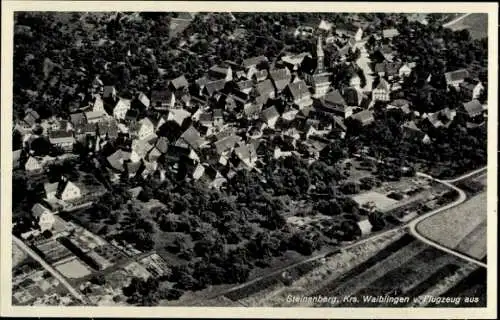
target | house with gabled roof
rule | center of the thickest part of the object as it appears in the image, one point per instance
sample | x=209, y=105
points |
x=455, y=78
x=413, y=132
x=108, y=128
x=331, y=103
x=213, y=87
x=364, y=117
x=62, y=139
x=265, y=89
x=192, y=138
x=221, y=72
x=117, y=159
x=162, y=99
x=178, y=116
x=401, y=104
x=43, y=217
x=178, y=84
x=280, y=78
x=472, y=109
x=95, y=116
x=145, y=129
x=390, y=33
x=382, y=91
x=110, y=93
x=471, y=89
x=30, y=118
x=140, y=149
x=270, y=116
x=143, y=99
x=32, y=165
x=293, y=61
x=299, y=94
x=247, y=155
x=121, y=108
x=405, y=69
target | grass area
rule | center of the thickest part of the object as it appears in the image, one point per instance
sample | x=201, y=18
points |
x=451, y=227
x=18, y=255
x=476, y=23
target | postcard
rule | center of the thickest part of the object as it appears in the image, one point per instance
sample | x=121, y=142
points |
x=249, y=159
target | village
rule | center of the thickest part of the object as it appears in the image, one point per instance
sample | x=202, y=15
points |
x=206, y=131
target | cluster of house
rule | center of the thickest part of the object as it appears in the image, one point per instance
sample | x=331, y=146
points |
x=224, y=121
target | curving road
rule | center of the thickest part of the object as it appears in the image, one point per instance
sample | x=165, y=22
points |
x=467, y=175
x=412, y=226
x=49, y=268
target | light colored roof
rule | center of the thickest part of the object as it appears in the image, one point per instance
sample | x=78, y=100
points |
x=179, y=82
x=92, y=115
x=299, y=89
x=456, y=75
x=390, y=33
x=325, y=25
x=365, y=226
x=178, y=115
x=253, y=61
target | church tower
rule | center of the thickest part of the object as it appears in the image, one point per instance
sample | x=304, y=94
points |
x=320, y=55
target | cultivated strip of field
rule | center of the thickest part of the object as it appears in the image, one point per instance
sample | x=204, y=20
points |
x=332, y=267
x=378, y=270
x=445, y=283
x=399, y=280
x=449, y=228
x=474, y=244
x=472, y=286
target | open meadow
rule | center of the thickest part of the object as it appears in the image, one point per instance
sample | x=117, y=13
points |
x=462, y=228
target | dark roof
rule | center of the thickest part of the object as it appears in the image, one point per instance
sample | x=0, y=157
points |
x=353, y=96
x=162, y=144
x=77, y=118
x=365, y=117
x=334, y=98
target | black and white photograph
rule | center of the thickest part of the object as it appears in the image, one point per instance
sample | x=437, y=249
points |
x=244, y=158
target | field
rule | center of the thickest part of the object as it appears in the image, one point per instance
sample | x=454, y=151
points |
x=462, y=228
x=476, y=23
x=73, y=269
x=399, y=266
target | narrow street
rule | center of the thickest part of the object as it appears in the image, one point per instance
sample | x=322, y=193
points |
x=364, y=63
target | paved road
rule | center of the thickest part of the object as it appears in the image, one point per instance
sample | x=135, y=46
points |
x=56, y=274
x=363, y=62
x=448, y=24
x=465, y=176
x=412, y=226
